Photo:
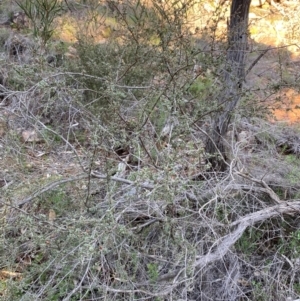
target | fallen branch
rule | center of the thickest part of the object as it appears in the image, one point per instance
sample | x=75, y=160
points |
x=241, y=225
x=220, y=248
x=49, y=187
x=226, y=242
x=80, y=177
x=268, y=190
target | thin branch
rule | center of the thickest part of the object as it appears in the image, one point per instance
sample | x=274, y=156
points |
x=270, y=192
x=32, y=215
x=256, y=61
x=122, y=180
x=80, y=177
x=263, y=53
x=49, y=187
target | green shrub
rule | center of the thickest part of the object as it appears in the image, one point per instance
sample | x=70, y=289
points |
x=42, y=14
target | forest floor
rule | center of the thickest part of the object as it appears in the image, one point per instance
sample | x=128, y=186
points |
x=33, y=165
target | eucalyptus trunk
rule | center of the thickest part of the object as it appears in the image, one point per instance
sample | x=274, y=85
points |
x=233, y=78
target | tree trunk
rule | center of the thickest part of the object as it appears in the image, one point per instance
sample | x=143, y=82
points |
x=233, y=78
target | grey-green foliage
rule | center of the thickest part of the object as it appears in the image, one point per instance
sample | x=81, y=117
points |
x=144, y=42
x=109, y=64
x=4, y=35
x=42, y=14
x=294, y=173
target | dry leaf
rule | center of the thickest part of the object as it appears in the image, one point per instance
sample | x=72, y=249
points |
x=51, y=215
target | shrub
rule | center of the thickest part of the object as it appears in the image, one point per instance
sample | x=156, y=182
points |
x=42, y=14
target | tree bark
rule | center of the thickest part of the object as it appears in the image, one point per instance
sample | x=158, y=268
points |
x=233, y=78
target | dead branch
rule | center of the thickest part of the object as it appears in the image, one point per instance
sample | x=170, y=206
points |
x=225, y=243
x=49, y=187
x=241, y=225
x=256, y=61
x=80, y=177
x=270, y=192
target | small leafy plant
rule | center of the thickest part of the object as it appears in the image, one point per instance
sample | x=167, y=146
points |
x=41, y=13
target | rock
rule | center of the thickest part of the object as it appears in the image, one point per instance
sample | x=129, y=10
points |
x=197, y=70
x=71, y=53
x=253, y=16
x=55, y=59
x=19, y=20
x=30, y=136
x=16, y=20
